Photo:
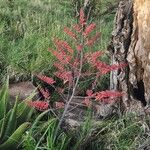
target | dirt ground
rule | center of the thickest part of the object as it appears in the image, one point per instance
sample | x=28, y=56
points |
x=21, y=89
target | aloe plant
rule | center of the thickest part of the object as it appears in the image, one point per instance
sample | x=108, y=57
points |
x=14, y=121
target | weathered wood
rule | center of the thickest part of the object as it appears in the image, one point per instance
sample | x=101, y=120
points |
x=121, y=38
x=130, y=44
x=139, y=50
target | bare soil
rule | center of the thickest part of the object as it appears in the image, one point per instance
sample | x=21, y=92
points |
x=21, y=89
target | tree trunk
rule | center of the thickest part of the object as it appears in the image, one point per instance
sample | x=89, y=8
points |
x=130, y=43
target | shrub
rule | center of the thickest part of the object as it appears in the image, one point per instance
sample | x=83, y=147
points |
x=75, y=65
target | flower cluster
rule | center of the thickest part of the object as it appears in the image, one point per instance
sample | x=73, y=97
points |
x=45, y=93
x=46, y=79
x=39, y=105
x=71, y=62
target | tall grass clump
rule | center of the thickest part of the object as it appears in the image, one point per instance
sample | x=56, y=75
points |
x=25, y=31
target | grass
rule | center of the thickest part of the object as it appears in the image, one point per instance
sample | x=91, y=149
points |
x=125, y=133
x=27, y=28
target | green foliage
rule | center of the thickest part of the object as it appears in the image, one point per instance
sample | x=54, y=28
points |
x=26, y=28
x=14, y=140
x=13, y=121
x=124, y=133
x=42, y=135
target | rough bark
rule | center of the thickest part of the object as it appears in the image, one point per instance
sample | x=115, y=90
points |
x=130, y=44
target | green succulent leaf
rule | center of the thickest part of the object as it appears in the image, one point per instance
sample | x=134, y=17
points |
x=3, y=124
x=15, y=138
x=11, y=124
x=24, y=112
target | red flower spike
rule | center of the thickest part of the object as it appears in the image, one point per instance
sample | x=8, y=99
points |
x=67, y=47
x=89, y=29
x=96, y=55
x=62, y=46
x=46, y=79
x=118, y=66
x=59, y=46
x=45, y=93
x=92, y=57
x=108, y=94
x=82, y=17
x=63, y=58
x=65, y=76
x=77, y=28
x=70, y=33
x=58, y=66
x=104, y=68
x=100, y=64
x=94, y=39
x=59, y=105
x=39, y=105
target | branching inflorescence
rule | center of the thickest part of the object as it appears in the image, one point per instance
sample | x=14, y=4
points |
x=75, y=65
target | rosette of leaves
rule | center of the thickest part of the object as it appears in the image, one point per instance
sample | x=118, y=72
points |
x=13, y=120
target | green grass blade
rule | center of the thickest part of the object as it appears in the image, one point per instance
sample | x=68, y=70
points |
x=3, y=123
x=4, y=99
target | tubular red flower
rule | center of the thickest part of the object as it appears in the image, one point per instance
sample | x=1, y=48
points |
x=92, y=57
x=77, y=28
x=96, y=55
x=89, y=29
x=59, y=46
x=70, y=33
x=62, y=46
x=94, y=39
x=67, y=46
x=108, y=94
x=45, y=93
x=46, y=79
x=118, y=66
x=82, y=17
x=65, y=75
x=62, y=57
x=58, y=66
x=39, y=105
x=104, y=68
